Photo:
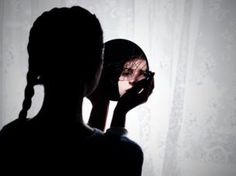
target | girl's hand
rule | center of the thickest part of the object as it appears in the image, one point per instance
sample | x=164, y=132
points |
x=135, y=96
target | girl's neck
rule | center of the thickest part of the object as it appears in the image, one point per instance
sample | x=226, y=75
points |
x=64, y=110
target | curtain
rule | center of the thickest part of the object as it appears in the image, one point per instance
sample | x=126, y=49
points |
x=188, y=125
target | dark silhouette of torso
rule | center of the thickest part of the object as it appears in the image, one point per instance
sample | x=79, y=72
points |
x=36, y=147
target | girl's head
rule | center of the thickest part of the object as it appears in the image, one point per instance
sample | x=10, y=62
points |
x=133, y=71
x=124, y=64
x=65, y=44
x=65, y=53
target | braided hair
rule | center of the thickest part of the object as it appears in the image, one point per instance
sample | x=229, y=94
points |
x=58, y=34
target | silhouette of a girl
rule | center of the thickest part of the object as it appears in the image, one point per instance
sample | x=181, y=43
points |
x=65, y=56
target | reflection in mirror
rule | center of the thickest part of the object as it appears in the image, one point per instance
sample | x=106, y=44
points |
x=125, y=64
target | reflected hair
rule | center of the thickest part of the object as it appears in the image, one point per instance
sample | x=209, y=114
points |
x=117, y=53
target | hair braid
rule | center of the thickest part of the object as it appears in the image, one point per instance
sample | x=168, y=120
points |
x=29, y=92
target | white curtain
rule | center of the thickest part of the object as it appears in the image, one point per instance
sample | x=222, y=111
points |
x=188, y=126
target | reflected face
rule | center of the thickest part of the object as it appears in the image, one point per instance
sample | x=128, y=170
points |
x=133, y=71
